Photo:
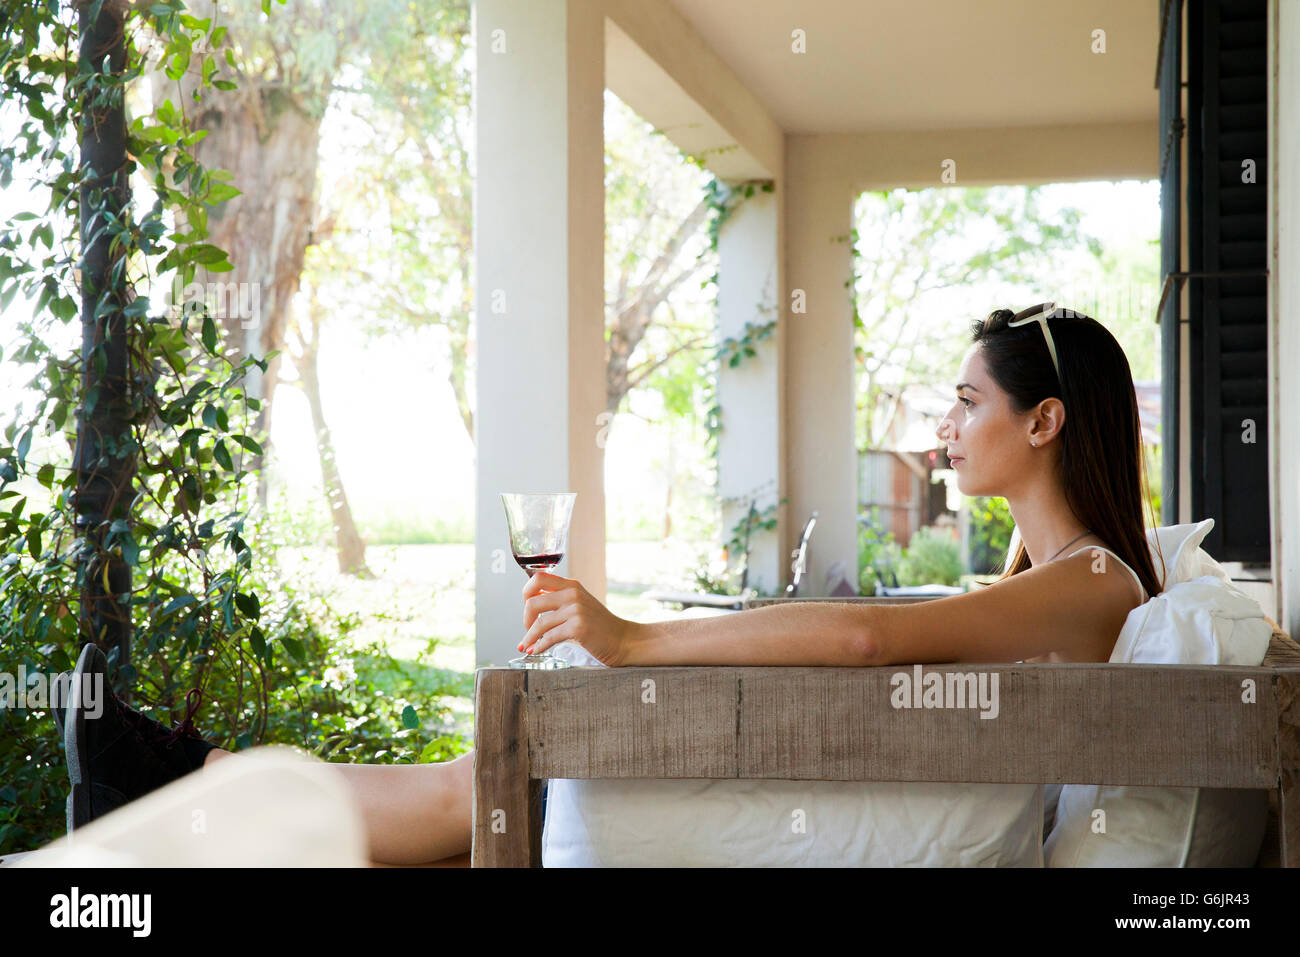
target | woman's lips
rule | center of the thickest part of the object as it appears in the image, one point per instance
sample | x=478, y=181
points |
x=956, y=461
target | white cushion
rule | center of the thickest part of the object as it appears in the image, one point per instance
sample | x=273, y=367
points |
x=698, y=822
x=1200, y=617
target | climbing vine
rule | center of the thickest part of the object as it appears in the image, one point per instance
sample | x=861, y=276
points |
x=122, y=514
x=723, y=200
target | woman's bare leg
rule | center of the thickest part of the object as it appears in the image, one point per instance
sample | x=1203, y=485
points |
x=414, y=813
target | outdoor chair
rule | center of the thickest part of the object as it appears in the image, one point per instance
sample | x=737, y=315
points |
x=1163, y=725
x=798, y=567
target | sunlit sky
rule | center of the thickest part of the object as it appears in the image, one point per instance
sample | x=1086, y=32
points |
x=400, y=442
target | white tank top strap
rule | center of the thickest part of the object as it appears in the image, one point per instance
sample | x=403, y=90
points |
x=1101, y=548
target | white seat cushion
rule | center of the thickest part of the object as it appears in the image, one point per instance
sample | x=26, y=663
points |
x=697, y=822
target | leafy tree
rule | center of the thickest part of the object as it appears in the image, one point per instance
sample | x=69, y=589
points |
x=657, y=212
x=400, y=251
x=265, y=128
x=910, y=244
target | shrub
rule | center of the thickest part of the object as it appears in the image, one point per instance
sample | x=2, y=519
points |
x=990, y=534
x=878, y=554
x=316, y=689
x=932, y=558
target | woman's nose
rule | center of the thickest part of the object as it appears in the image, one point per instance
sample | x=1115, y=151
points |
x=942, y=430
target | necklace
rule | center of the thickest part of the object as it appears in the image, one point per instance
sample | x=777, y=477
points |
x=1068, y=544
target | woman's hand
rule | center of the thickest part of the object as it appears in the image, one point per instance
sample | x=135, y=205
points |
x=559, y=609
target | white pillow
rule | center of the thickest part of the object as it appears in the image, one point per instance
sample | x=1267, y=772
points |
x=699, y=822
x=1199, y=618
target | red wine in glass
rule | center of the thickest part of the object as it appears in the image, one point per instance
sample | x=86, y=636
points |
x=538, y=523
x=538, y=563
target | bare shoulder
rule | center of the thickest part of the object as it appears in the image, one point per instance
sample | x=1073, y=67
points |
x=1074, y=608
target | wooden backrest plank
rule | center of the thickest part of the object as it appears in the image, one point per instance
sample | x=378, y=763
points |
x=1095, y=723
x=1156, y=725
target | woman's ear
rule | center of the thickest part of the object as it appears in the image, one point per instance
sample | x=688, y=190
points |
x=1046, y=422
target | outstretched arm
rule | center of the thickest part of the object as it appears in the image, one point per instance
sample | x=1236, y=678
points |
x=806, y=633
x=1075, y=607
x=810, y=633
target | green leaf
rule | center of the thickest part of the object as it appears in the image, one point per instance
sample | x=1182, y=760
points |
x=63, y=308
x=205, y=253
x=24, y=446
x=409, y=718
x=176, y=604
x=209, y=334
x=248, y=443
x=34, y=541
x=222, y=455
x=220, y=192
x=130, y=549
x=249, y=605
x=180, y=62
x=295, y=648
x=45, y=475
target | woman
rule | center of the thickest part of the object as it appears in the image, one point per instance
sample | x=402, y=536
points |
x=1045, y=416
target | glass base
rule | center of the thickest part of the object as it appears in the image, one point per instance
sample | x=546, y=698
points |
x=542, y=662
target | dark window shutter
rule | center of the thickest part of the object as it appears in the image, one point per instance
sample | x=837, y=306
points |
x=1167, y=148
x=1227, y=229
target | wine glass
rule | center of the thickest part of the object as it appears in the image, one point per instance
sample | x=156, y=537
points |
x=539, y=527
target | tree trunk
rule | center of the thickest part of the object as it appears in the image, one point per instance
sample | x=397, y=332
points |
x=462, y=349
x=672, y=477
x=269, y=144
x=351, y=546
x=104, y=464
x=631, y=318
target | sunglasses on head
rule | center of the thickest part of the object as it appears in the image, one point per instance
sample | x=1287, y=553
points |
x=1041, y=316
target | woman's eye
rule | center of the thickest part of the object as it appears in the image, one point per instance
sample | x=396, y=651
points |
x=965, y=401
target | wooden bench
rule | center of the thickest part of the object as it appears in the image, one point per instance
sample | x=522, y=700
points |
x=1133, y=724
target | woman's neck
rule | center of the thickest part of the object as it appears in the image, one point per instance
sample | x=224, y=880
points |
x=1045, y=522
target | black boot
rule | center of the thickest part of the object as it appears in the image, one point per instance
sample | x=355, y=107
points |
x=115, y=753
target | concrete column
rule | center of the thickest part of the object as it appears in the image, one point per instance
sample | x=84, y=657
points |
x=1284, y=307
x=539, y=224
x=822, y=465
x=750, y=395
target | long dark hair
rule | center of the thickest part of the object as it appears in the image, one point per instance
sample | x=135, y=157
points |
x=1101, y=462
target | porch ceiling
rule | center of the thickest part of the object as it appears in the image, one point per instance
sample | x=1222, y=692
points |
x=888, y=65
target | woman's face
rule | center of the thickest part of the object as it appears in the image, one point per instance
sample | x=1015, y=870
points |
x=986, y=439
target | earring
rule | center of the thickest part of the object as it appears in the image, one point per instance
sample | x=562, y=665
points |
x=1034, y=443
